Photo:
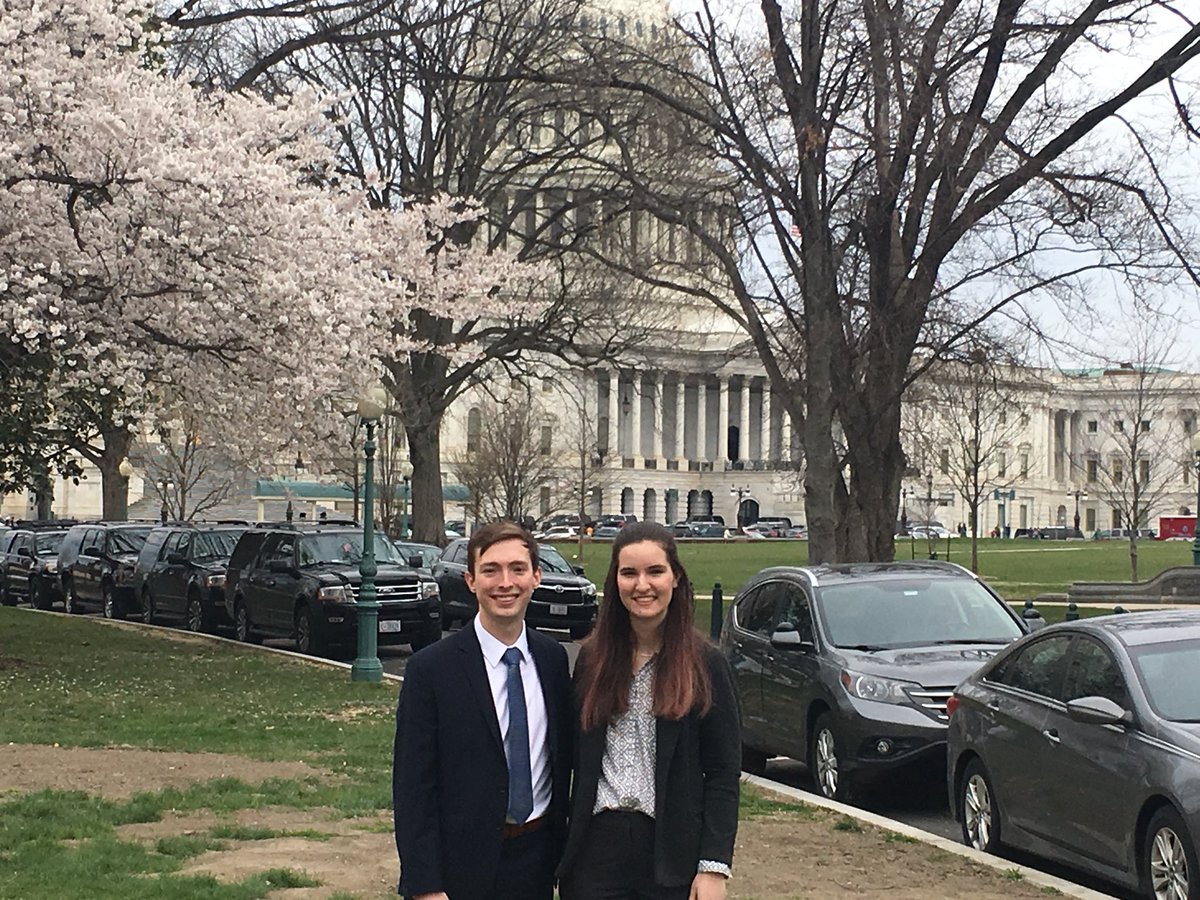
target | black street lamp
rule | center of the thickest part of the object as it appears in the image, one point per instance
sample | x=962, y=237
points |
x=1196, y=541
x=405, y=496
x=904, y=510
x=1078, y=495
x=366, y=666
x=164, y=486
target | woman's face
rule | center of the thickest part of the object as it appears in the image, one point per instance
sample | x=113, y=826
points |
x=645, y=581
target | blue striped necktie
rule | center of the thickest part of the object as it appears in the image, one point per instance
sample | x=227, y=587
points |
x=516, y=742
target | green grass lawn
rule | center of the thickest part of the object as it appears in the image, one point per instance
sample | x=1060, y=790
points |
x=1016, y=568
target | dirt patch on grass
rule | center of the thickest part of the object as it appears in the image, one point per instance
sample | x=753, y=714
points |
x=120, y=772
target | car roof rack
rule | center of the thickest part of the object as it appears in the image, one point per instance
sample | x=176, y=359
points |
x=310, y=524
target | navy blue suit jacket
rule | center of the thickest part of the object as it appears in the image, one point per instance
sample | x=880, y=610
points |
x=450, y=775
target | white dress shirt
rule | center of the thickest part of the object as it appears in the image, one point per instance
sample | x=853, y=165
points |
x=535, y=707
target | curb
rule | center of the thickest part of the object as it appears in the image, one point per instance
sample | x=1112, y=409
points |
x=1032, y=876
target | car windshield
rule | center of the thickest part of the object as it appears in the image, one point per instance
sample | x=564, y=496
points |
x=429, y=555
x=1166, y=671
x=552, y=561
x=127, y=540
x=345, y=547
x=914, y=612
x=48, y=544
x=215, y=544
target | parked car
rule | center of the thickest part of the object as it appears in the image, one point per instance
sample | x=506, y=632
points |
x=29, y=565
x=180, y=574
x=615, y=520
x=558, y=533
x=1081, y=743
x=569, y=519
x=565, y=599
x=302, y=582
x=605, y=532
x=1122, y=534
x=849, y=667
x=95, y=565
x=926, y=531
x=797, y=532
x=418, y=556
x=778, y=523
x=693, y=528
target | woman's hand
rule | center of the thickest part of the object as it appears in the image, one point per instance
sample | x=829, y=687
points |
x=708, y=886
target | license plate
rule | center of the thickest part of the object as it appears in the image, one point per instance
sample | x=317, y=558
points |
x=391, y=625
x=558, y=609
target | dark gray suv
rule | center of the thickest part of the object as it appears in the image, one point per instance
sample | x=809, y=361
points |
x=849, y=667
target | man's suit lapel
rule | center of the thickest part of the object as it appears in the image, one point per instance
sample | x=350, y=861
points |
x=477, y=680
x=545, y=664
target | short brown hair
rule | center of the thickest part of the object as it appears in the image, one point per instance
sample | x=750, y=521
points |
x=495, y=532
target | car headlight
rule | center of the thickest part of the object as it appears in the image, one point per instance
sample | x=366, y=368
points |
x=589, y=590
x=337, y=594
x=873, y=687
x=429, y=589
x=214, y=581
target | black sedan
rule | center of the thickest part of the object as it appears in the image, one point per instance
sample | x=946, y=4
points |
x=565, y=600
x=1082, y=743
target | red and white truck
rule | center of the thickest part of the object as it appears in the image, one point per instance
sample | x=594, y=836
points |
x=1178, y=527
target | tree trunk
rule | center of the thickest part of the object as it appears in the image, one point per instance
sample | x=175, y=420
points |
x=114, y=487
x=975, y=536
x=425, y=452
x=1133, y=554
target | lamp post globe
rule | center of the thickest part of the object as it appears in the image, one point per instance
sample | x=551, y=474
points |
x=1196, y=540
x=366, y=667
x=125, y=468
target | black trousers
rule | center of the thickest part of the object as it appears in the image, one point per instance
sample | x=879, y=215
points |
x=617, y=862
x=526, y=870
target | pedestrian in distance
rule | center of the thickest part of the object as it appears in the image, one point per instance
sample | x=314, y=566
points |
x=483, y=749
x=654, y=802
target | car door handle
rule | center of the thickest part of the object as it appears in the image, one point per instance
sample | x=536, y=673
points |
x=1051, y=734
x=994, y=705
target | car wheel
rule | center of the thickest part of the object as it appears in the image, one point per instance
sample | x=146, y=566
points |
x=112, y=606
x=977, y=809
x=37, y=599
x=149, y=614
x=753, y=761
x=825, y=757
x=1169, y=858
x=242, y=625
x=6, y=597
x=197, y=622
x=306, y=639
x=71, y=600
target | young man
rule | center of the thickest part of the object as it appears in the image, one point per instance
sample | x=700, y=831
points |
x=483, y=742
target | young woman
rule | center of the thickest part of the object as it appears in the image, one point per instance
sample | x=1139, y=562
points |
x=655, y=797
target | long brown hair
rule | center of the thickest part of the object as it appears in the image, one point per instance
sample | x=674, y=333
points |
x=681, y=680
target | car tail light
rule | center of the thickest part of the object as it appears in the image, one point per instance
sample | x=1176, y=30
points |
x=952, y=703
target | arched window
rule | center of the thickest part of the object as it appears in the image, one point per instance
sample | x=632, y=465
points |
x=474, y=427
x=650, y=505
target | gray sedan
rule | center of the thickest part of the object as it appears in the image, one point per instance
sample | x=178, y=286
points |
x=1082, y=743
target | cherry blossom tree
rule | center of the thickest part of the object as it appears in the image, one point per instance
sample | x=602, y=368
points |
x=158, y=240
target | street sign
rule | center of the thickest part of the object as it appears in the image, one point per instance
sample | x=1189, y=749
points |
x=999, y=494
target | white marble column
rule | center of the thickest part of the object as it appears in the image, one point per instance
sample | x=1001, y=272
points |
x=785, y=435
x=614, y=413
x=765, y=426
x=722, y=420
x=657, y=418
x=680, y=414
x=744, y=421
x=702, y=418
x=635, y=418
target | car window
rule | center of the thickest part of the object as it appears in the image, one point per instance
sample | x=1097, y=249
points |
x=1038, y=668
x=214, y=544
x=552, y=561
x=1093, y=672
x=171, y=545
x=756, y=610
x=93, y=538
x=279, y=547
x=460, y=554
x=798, y=612
x=48, y=544
x=1169, y=673
x=21, y=541
x=914, y=611
x=127, y=540
x=343, y=547
x=185, y=543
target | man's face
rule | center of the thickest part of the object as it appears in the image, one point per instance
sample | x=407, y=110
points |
x=503, y=582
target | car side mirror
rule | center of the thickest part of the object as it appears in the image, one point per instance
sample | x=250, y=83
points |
x=280, y=567
x=25, y=551
x=578, y=570
x=92, y=552
x=1098, y=711
x=176, y=559
x=786, y=637
x=415, y=561
x=1033, y=620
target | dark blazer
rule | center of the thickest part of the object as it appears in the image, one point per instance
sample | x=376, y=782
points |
x=450, y=775
x=697, y=775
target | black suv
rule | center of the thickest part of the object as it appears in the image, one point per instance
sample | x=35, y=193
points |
x=29, y=568
x=849, y=667
x=301, y=582
x=95, y=565
x=180, y=574
x=564, y=600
